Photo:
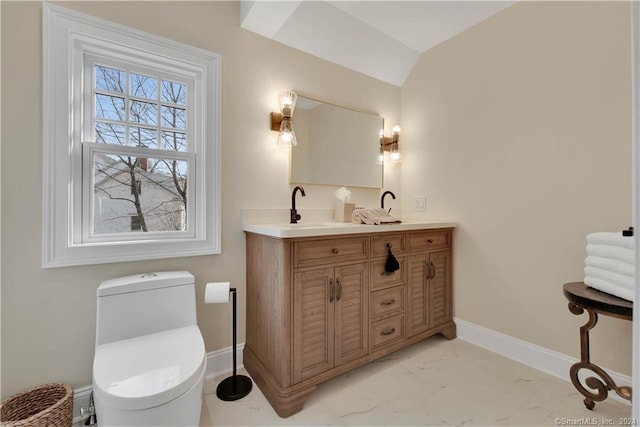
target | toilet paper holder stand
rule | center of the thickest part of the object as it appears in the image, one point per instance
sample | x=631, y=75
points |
x=236, y=386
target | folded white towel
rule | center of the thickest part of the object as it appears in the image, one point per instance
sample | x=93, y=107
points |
x=610, y=288
x=611, y=239
x=375, y=216
x=613, y=278
x=609, y=264
x=612, y=252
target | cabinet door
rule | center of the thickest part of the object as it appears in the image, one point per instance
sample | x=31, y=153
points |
x=313, y=323
x=439, y=289
x=418, y=294
x=352, y=308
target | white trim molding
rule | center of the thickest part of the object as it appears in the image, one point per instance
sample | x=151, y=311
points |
x=73, y=44
x=543, y=359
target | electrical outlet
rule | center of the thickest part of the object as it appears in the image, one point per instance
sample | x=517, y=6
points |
x=420, y=204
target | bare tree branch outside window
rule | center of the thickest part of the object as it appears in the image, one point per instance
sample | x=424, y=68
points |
x=133, y=109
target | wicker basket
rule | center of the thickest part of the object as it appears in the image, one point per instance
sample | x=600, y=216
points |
x=48, y=405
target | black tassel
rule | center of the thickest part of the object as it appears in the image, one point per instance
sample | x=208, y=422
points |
x=392, y=263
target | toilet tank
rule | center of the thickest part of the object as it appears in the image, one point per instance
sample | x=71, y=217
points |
x=144, y=304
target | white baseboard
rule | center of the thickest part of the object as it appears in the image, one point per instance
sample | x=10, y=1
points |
x=540, y=358
x=219, y=363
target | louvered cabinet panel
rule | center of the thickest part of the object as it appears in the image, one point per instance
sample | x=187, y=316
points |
x=351, y=306
x=440, y=298
x=418, y=294
x=313, y=323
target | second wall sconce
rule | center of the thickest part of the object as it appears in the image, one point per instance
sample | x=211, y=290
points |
x=391, y=143
x=283, y=121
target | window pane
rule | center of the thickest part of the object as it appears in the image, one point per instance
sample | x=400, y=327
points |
x=109, y=133
x=144, y=86
x=142, y=137
x=144, y=112
x=175, y=141
x=138, y=195
x=110, y=79
x=174, y=117
x=175, y=93
x=109, y=107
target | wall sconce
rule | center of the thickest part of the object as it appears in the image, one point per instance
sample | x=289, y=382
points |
x=390, y=143
x=283, y=121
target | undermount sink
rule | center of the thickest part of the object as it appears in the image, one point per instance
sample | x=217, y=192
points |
x=308, y=225
x=318, y=224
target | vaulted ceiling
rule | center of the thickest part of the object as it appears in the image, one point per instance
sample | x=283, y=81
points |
x=382, y=39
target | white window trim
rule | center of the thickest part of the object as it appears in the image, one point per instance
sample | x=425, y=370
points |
x=60, y=246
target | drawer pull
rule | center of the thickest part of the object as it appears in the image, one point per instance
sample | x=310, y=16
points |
x=332, y=290
x=335, y=251
x=338, y=290
x=389, y=301
x=386, y=273
x=387, y=331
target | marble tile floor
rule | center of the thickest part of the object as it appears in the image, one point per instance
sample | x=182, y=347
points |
x=432, y=383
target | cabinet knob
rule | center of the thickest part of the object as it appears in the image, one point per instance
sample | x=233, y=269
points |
x=387, y=331
x=429, y=240
x=335, y=251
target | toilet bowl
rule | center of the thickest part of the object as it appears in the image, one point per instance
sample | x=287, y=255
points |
x=150, y=361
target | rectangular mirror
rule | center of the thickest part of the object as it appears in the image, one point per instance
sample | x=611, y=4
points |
x=336, y=146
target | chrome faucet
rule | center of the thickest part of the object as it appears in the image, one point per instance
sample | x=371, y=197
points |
x=382, y=198
x=295, y=216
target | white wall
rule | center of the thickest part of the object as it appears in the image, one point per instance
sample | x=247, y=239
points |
x=48, y=316
x=520, y=130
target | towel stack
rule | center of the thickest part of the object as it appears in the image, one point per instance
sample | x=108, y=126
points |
x=610, y=264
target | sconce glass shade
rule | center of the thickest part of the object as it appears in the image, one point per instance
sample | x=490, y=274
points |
x=287, y=136
x=287, y=101
x=395, y=154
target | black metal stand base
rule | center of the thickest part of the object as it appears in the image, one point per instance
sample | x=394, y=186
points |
x=233, y=388
x=236, y=386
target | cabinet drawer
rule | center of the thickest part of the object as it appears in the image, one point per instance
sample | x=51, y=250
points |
x=316, y=252
x=436, y=239
x=387, y=331
x=379, y=244
x=381, y=279
x=387, y=302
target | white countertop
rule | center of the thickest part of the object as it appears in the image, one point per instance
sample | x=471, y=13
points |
x=328, y=228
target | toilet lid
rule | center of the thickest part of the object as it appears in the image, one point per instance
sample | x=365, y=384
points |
x=149, y=370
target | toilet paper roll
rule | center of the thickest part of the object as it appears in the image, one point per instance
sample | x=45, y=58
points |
x=215, y=293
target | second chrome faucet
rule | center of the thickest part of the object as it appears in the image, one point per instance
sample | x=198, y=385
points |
x=295, y=216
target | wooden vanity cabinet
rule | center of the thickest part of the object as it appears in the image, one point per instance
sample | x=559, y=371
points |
x=320, y=306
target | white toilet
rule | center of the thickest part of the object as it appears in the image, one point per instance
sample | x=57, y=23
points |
x=150, y=361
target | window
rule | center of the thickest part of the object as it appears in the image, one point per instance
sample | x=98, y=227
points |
x=126, y=111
